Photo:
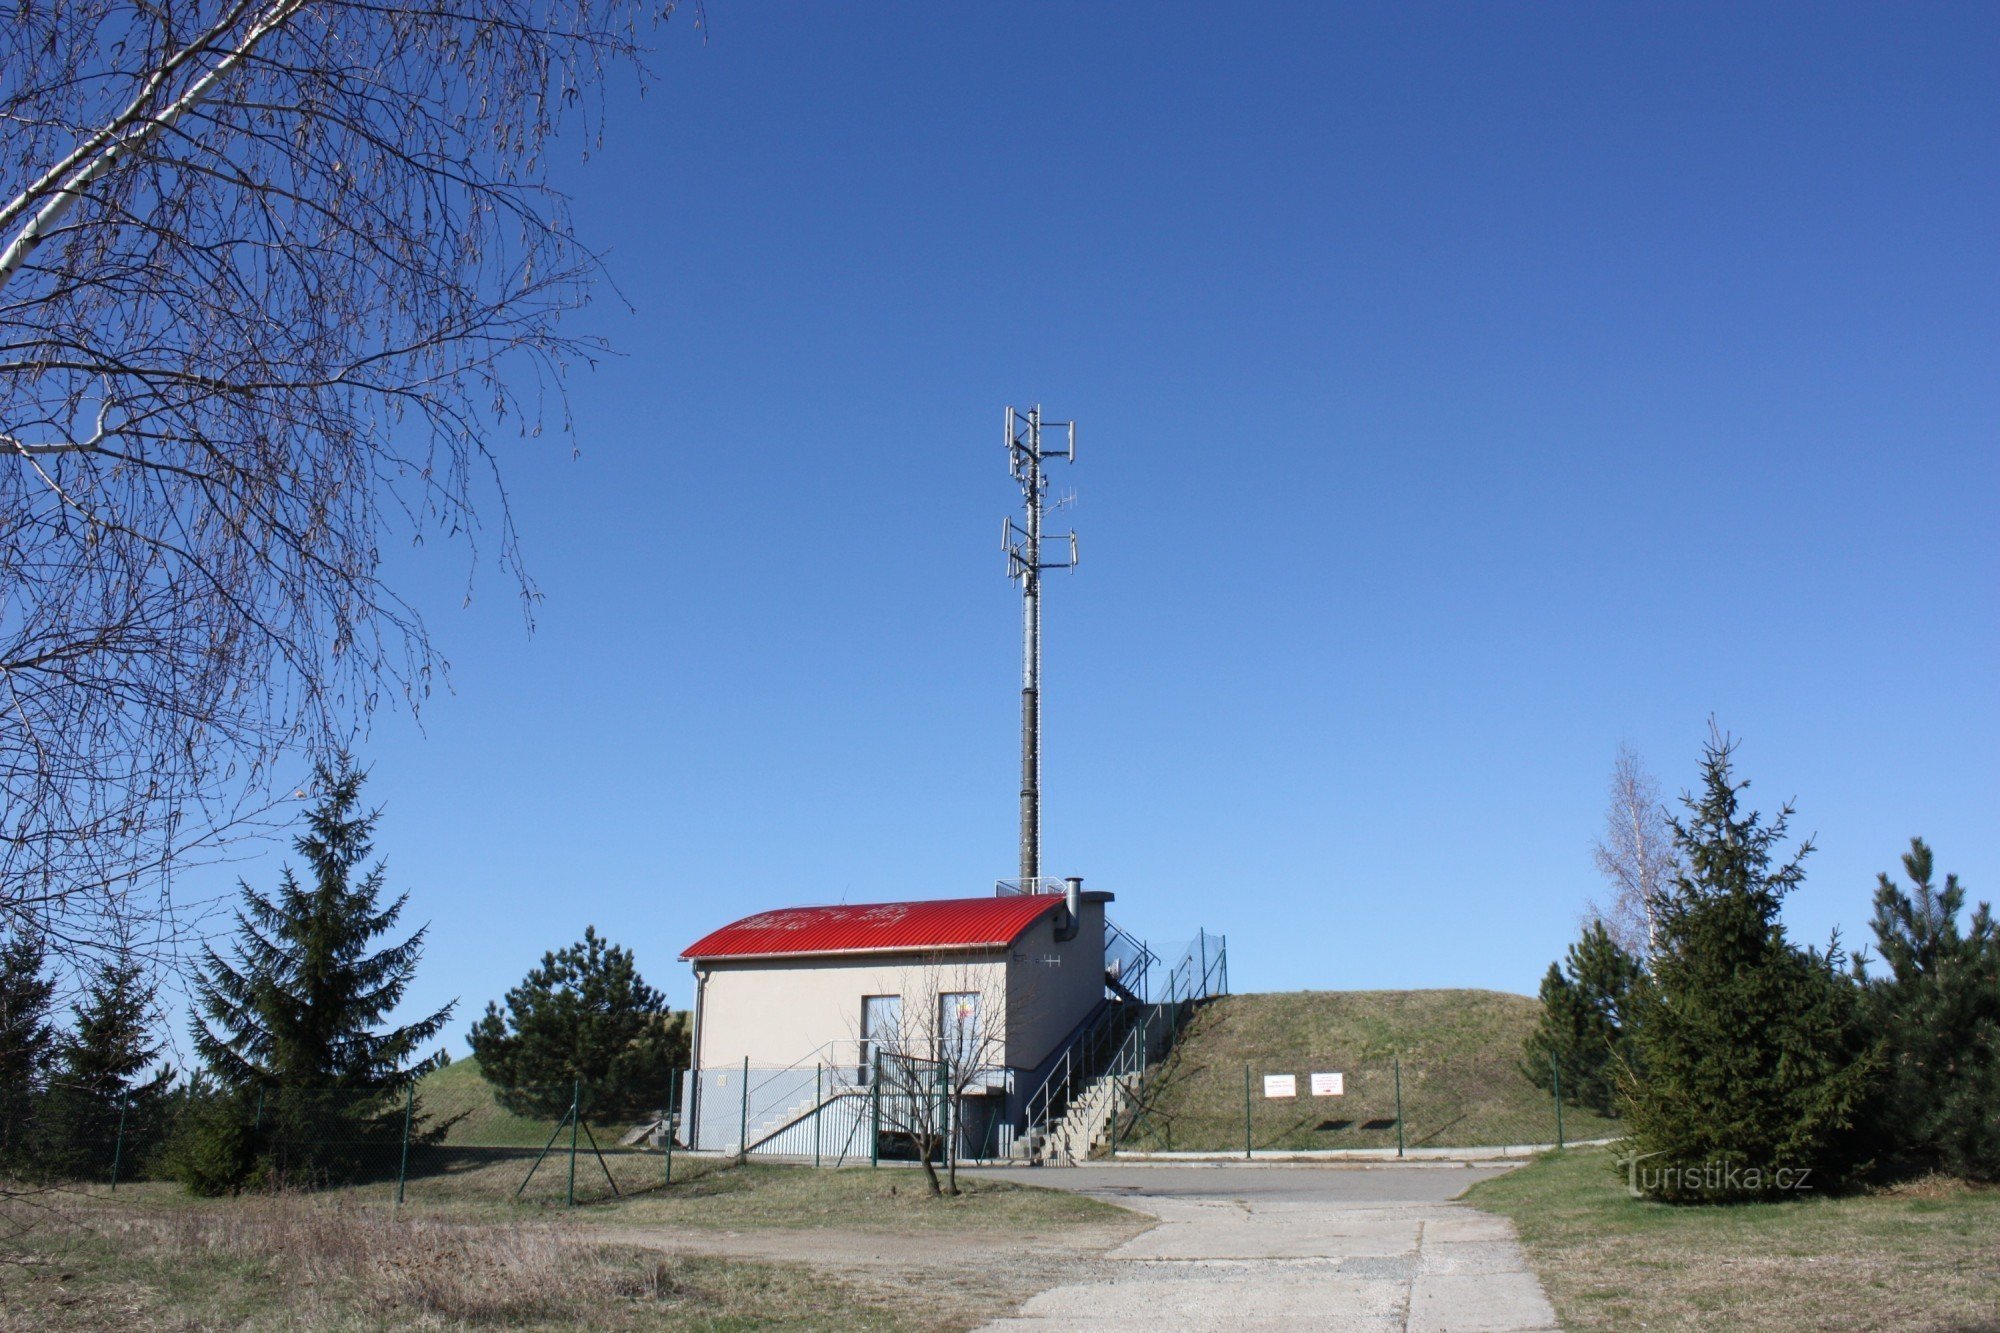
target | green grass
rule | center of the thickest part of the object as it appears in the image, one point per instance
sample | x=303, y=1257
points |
x=891, y=1199
x=1923, y=1256
x=1461, y=1083
x=458, y=1098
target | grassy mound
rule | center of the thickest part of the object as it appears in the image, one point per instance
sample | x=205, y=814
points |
x=458, y=1098
x=1442, y=1067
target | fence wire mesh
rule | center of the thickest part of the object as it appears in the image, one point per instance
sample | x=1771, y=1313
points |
x=448, y=1139
x=1324, y=1102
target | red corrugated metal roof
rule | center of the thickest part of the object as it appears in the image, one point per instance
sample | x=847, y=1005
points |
x=939, y=923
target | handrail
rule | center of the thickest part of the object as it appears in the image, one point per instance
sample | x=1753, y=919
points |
x=1083, y=1059
x=1136, y=964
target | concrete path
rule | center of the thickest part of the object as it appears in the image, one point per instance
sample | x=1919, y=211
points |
x=1251, y=1247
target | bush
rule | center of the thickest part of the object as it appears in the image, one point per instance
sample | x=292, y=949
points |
x=212, y=1147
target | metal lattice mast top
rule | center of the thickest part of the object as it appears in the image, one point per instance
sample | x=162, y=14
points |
x=1023, y=544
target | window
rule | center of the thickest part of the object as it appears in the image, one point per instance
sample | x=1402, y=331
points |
x=958, y=1028
x=881, y=1028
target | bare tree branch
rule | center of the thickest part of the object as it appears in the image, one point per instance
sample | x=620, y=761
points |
x=275, y=275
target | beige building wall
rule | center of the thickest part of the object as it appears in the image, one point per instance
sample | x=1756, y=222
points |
x=782, y=1010
x=1051, y=986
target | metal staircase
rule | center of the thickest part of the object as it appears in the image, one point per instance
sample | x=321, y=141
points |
x=1100, y=1074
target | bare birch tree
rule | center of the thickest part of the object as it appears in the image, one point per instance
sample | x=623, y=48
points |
x=953, y=1036
x=275, y=276
x=1636, y=856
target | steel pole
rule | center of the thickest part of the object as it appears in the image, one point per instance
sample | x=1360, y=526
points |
x=403, y=1167
x=1031, y=689
x=1555, y=1074
x=118, y=1148
x=575, y=1106
x=819, y=1105
x=1399, y=1106
x=1246, y=1113
x=743, y=1124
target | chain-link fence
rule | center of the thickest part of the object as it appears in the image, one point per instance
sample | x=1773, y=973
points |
x=1325, y=1103
x=458, y=1140
x=878, y=1105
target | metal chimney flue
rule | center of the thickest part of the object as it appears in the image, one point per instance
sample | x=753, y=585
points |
x=1072, y=909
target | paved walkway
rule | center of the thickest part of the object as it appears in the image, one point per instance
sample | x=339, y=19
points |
x=1252, y=1247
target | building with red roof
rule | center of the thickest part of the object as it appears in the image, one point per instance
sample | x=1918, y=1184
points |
x=813, y=998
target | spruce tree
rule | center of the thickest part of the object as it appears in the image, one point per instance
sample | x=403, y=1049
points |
x=1754, y=1066
x=1586, y=1011
x=294, y=1022
x=1939, y=1011
x=105, y=1078
x=27, y=1041
x=585, y=1015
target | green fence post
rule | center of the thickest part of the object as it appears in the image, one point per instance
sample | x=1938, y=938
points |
x=1399, y=1106
x=403, y=1167
x=945, y=1108
x=875, y=1114
x=819, y=1105
x=258, y=1123
x=118, y=1148
x=575, y=1114
x=743, y=1126
x=1246, y=1113
x=1556, y=1077
x=673, y=1121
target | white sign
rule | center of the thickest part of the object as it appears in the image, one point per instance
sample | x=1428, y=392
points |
x=1281, y=1085
x=1329, y=1085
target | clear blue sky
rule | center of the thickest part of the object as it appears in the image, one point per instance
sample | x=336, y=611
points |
x=1464, y=390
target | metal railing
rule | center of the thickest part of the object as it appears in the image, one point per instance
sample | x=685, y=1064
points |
x=1083, y=1059
x=1201, y=973
x=1128, y=960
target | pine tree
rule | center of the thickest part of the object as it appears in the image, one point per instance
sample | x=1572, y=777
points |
x=1586, y=1011
x=1939, y=1011
x=27, y=1041
x=585, y=1015
x=294, y=1021
x=102, y=1078
x=1754, y=1065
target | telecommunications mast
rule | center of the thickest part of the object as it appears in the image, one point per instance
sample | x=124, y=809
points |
x=1023, y=544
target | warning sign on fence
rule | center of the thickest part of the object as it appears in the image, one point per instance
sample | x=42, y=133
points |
x=1329, y=1085
x=1281, y=1085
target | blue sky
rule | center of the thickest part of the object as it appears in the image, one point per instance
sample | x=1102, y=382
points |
x=1464, y=390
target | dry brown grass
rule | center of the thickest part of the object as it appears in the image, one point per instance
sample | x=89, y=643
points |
x=1921, y=1256
x=309, y=1263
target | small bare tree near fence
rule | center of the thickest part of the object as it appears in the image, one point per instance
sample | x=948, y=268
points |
x=953, y=1041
